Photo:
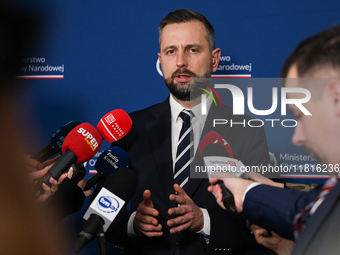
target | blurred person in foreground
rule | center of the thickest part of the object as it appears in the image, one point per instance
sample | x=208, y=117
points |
x=25, y=229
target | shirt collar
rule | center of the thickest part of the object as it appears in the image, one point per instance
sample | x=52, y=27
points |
x=176, y=108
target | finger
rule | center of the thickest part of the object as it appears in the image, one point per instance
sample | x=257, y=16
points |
x=62, y=177
x=179, y=190
x=178, y=199
x=179, y=228
x=47, y=193
x=219, y=196
x=149, y=220
x=211, y=188
x=33, y=165
x=177, y=221
x=36, y=175
x=82, y=183
x=147, y=198
x=254, y=227
x=51, y=162
x=70, y=173
x=147, y=210
x=261, y=232
x=213, y=181
x=54, y=185
x=88, y=193
x=150, y=230
x=177, y=210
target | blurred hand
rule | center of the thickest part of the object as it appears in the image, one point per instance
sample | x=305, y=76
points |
x=271, y=240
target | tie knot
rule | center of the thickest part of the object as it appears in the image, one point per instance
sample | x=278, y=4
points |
x=185, y=115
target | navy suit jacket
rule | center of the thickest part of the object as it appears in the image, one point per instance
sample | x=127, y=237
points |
x=274, y=209
x=322, y=234
x=149, y=145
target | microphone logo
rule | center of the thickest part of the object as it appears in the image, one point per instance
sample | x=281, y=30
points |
x=110, y=119
x=108, y=204
x=90, y=140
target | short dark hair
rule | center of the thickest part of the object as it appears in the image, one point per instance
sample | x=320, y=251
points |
x=184, y=15
x=318, y=51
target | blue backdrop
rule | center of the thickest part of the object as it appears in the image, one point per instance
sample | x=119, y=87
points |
x=96, y=56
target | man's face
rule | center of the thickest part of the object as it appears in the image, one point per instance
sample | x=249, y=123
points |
x=185, y=54
x=312, y=131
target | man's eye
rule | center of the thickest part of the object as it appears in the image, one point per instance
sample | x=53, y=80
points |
x=193, y=50
x=170, y=52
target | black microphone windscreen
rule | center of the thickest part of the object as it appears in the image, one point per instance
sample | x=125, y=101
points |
x=122, y=183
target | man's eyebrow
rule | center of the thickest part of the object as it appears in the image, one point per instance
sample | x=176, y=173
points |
x=169, y=47
x=188, y=46
x=193, y=45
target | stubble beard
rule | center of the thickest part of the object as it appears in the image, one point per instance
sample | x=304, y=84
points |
x=316, y=156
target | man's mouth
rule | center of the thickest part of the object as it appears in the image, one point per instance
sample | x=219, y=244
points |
x=182, y=77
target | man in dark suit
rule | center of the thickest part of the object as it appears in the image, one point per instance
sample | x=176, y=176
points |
x=183, y=218
x=312, y=217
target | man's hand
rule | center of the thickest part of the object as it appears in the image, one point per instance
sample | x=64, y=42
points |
x=191, y=216
x=145, y=222
x=81, y=184
x=256, y=177
x=237, y=187
x=271, y=240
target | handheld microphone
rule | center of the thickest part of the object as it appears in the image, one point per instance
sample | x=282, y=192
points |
x=218, y=156
x=117, y=190
x=107, y=162
x=80, y=145
x=56, y=141
x=114, y=125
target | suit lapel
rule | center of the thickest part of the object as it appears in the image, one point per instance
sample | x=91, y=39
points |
x=316, y=220
x=159, y=134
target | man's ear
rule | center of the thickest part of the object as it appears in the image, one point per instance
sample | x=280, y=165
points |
x=333, y=92
x=159, y=57
x=216, y=54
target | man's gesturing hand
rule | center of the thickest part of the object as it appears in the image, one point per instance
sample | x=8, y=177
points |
x=191, y=216
x=145, y=222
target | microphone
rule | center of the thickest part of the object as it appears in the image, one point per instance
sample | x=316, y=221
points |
x=117, y=190
x=114, y=125
x=56, y=141
x=80, y=145
x=218, y=156
x=107, y=162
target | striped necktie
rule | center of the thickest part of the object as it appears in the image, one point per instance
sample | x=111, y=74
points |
x=300, y=218
x=184, y=155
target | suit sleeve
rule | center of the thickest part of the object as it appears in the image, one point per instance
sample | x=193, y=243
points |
x=275, y=208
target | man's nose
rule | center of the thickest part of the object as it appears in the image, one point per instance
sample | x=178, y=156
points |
x=181, y=60
x=298, y=138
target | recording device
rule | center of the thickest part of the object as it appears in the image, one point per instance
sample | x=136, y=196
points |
x=114, y=125
x=218, y=157
x=117, y=190
x=107, y=162
x=79, y=172
x=80, y=145
x=56, y=141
